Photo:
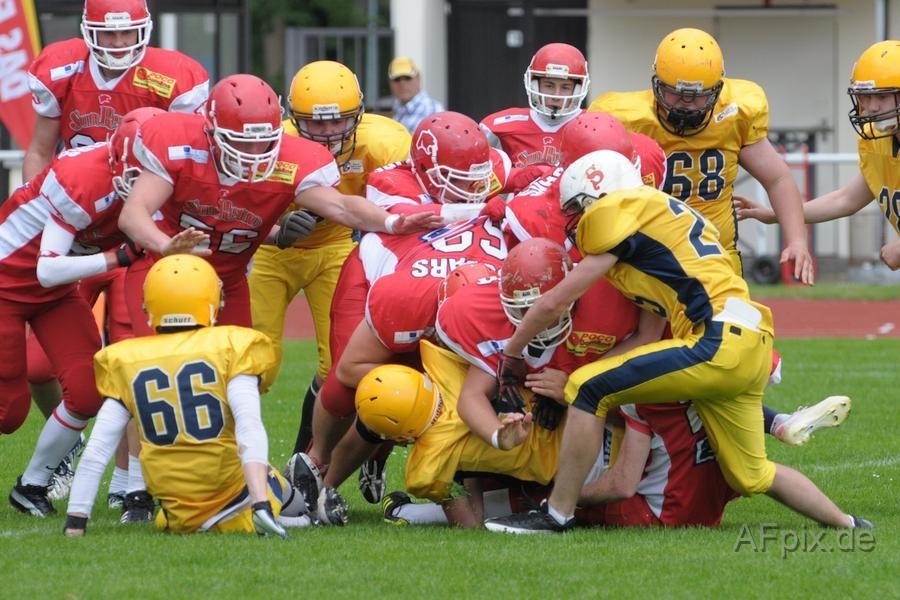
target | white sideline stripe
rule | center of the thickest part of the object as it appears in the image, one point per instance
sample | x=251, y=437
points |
x=23, y=533
x=887, y=461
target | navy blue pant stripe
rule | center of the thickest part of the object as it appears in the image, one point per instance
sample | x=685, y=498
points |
x=648, y=366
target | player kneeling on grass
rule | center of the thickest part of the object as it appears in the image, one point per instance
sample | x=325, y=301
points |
x=193, y=391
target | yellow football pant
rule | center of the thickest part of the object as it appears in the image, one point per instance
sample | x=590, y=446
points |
x=278, y=276
x=722, y=368
x=241, y=522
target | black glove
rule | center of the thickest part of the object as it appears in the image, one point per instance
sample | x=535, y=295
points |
x=547, y=412
x=510, y=375
x=265, y=522
x=296, y=225
x=128, y=252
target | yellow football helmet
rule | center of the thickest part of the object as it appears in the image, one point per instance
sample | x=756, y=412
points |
x=688, y=65
x=877, y=72
x=182, y=291
x=396, y=402
x=327, y=91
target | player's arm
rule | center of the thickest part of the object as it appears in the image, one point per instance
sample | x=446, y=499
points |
x=109, y=427
x=42, y=147
x=650, y=329
x=358, y=213
x=766, y=165
x=55, y=267
x=148, y=194
x=621, y=480
x=504, y=431
x=554, y=302
x=842, y=202
x=253, y=449
x=890, y=255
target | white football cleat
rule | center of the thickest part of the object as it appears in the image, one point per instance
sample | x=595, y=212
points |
x=803, y=422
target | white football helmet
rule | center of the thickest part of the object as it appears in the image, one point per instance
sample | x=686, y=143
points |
x=593, y=176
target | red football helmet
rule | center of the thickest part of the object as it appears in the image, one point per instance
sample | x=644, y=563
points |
x=121, y=148
x=591, y=131
x=557, y=61
x=532, y=268
x=243, y=116
x=451, y=158
x=104, y=16
x=463, y=275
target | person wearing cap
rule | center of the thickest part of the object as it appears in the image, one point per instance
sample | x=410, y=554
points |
x=411, y=102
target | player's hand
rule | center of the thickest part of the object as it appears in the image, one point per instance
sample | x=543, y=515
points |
x=187, y=241
x=547, y=412
x=407, y=224
x=797, y=253
x=127, y=253
x=264, y=521
x=296, y=225
x=495, y=210
x=511, y=374
x=890, y=255
x=75, y=526
x=548, y=382
x=513, y=430
x=745, y=208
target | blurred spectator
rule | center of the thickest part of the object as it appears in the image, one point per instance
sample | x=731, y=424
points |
x=411, y=102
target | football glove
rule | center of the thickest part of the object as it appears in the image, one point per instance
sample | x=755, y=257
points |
x=128, y=252
x=547, y=412
x=296, y=225
x=264, y=521
x=510, y=375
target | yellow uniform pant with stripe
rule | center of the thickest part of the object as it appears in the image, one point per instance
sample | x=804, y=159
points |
x=722, y=368
x=279, y=275
x=235, y=516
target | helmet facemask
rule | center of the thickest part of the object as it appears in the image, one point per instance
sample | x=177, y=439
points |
x=517, y=304
x=679, y=120
x=537, y=99
x=342, y=143
x=250, y=167
x=875, y=125
x=448, y=185
x=132, y=54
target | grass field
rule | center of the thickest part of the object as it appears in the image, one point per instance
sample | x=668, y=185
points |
x=858, y=465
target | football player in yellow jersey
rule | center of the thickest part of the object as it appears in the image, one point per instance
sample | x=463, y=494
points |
x=663, y=254
x=193, y=392
x=707, y=125
x=441, y=444
x=326, y=106
x=875, y=93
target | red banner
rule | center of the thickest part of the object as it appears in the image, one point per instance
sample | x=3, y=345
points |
x=20, y=43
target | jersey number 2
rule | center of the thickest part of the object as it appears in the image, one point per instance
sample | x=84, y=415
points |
x=198, y=414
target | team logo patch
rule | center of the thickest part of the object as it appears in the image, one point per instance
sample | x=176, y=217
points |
x=408, y=337
x=491, y=347
x=66, y=70
x=188, y=153
x=582, y=343
x=510, y=119
x=352, y=166
x=729, y=111
x=159, y=84
x=105, y=202
x=284, y=172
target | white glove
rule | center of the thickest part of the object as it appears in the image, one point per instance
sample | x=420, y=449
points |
x=296, y=225
x=265, y=522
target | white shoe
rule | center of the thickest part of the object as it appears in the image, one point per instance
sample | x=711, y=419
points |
x=803, y=422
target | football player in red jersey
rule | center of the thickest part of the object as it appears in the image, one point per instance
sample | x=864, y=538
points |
x=224, y=179
x=556, y=82
x=70, y=208
x=81, y=89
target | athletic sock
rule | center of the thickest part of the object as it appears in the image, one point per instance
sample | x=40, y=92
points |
x=59, y=434
x=304, y=433
x=135, y=475
x=119, y=481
